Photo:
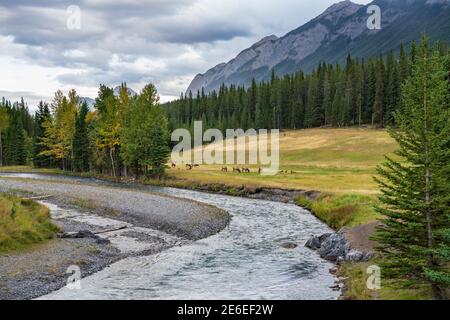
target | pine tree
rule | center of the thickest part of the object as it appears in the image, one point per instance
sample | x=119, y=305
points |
x=415, y=236
x=81, y=141
x=404, y=71
x=391, y=89
x=4, y=124
x=158, y=150
x=311, y=117
x=41, y=117
x=16, y=151
x=327, y=103
x=378, y=105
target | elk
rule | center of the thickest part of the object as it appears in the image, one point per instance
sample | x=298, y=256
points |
x=189, y=166
x=245, y=170
x=174, y=165
x=236, y=170
x=224, y=169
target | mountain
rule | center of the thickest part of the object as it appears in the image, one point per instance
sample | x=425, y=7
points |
x=89, y=101
x=131, y=92
x=339, y=31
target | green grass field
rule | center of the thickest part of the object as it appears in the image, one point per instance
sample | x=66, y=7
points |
x=23, y=223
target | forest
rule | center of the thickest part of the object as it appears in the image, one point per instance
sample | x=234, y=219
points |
x=122, y=134
x=356, y=94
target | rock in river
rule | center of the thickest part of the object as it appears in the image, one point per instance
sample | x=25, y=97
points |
x=289, y=245
x=83, y=234
x=335, y=247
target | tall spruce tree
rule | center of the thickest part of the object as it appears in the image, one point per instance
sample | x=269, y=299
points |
x=158, y=150
x=415, y=235
x=81, y=152
x=4, y=124
x=16, y=151
x=42, y=116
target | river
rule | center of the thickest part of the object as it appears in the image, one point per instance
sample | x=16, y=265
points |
x=243, y=261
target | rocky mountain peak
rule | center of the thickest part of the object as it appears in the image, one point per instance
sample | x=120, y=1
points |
x=131, y=92
x=339, y=10
x=265, y=39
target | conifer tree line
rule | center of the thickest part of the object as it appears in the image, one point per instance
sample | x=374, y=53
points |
x=355, y=94
x=122, y=135
x=16, y=132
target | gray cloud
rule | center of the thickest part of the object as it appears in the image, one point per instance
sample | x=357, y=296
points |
x=30, y=98
x=163, y=41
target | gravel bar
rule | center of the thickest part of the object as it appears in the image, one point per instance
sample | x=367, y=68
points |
x=42, y=269
x=184, y=218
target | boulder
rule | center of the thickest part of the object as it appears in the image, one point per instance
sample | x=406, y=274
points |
x=313, y=243
x=367, y=256
x=354, y=256
x=289, y=245
x=324, y=237
x=335, y=247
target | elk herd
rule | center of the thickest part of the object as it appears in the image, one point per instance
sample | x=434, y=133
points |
x=190, y=167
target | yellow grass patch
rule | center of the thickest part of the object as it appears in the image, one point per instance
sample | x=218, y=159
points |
x=331, y=160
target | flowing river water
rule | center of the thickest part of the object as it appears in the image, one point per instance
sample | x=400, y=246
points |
x=244, y=261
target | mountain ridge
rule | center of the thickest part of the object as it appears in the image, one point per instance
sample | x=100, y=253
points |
x=340, y=30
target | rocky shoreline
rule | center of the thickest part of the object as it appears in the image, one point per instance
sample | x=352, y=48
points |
x=336, y=248
x=270, y=194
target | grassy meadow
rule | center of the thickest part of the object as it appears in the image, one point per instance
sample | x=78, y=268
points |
x=23, y=223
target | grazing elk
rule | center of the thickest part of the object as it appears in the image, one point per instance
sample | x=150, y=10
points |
x=236, y=170
x=224, y=169
x=189, y=166
x=174, y=165
x=245, y=170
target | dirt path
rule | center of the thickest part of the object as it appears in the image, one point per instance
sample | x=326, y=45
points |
x=359, y=237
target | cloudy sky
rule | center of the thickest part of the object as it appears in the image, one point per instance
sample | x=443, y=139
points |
x=165, y=42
